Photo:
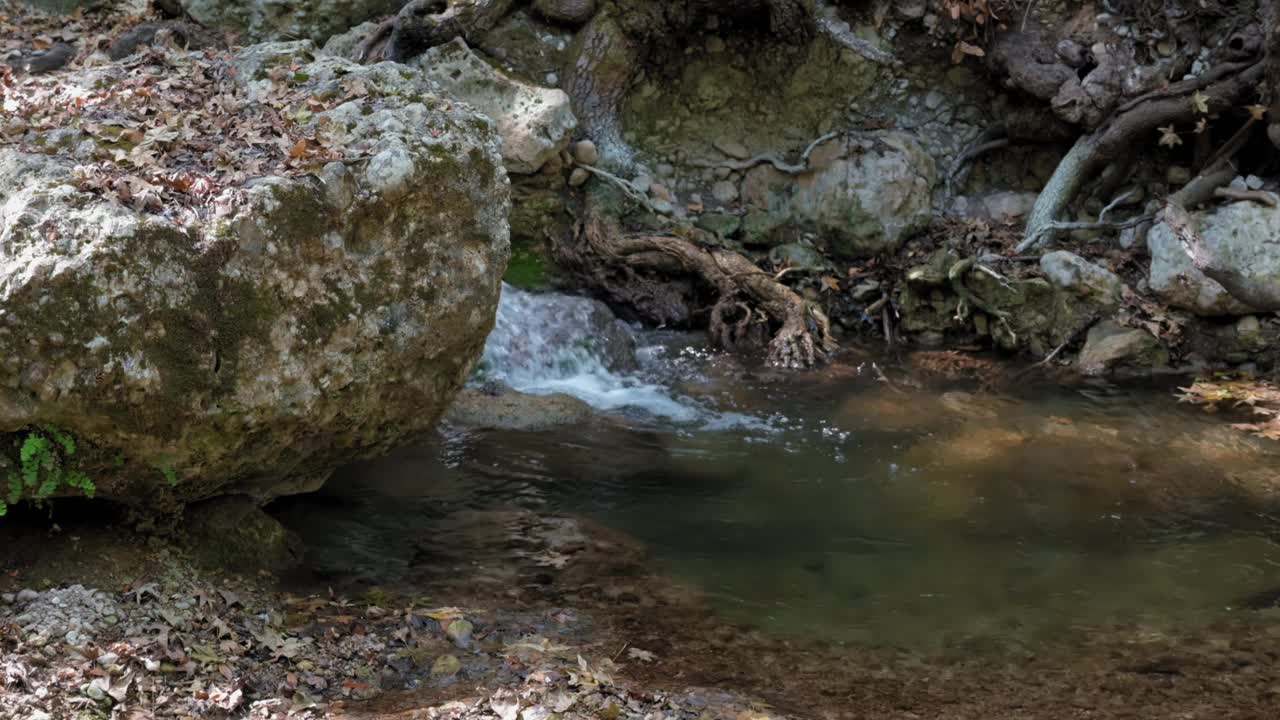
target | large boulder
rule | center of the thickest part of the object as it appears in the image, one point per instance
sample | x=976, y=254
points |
x=1240, y=236
x=535, y=122
x=262, y=20
x=304, y=320
x=867, y=194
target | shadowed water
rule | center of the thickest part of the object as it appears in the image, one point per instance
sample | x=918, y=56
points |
x=838, y=506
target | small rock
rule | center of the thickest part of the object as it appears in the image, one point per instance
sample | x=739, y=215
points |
x=74, y=639
x=666, y=170
x=108, y=659
x=661, y=192
x=8, y=598
x=724, y=191
x=586, y=152
x=1177, y=175
x=642, y=183
x=732, y=148
x=27, y=595
x=663, y=207
x=715, y=44
x=579, y=177
x=93, y=692
x=1239, y=183
x=459, y=631
x=1253, y=182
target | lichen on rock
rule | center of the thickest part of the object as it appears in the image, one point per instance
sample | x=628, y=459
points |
x=307, y=321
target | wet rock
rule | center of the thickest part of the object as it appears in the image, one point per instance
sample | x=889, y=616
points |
x=254, y=351
x=868, y=194
x=535, y=123
x=1110, y=345
x=1087, y=281
x=506, y=409
x=1238, y=233
x=262, y=20
x=234, y=534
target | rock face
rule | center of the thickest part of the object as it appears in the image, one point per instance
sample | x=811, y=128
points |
x=869, y=193
x=1110, y=345
x=1239, y=235
x=535, y=123
x=307, y=322
x=263, y=20
x=1087, y=281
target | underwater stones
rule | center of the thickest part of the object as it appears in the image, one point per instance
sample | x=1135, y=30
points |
x=1110, y=345
x=254, y=351
x=535, y=123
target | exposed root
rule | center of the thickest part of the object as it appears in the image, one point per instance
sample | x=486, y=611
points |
x=1131, y=125
x=750, y=301
x=778, y=164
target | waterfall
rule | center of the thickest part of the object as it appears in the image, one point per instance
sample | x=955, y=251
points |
x=545, y=343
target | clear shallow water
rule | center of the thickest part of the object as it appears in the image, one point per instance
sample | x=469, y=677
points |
x=834, y=506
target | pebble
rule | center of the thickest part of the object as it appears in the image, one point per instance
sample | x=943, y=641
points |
x=108, y=659
x=586, y=152
x=8, y=598
x=38, y=715
x=1253, y=182
x=724, y=191
x=642, y=183
x=93, y=691
x=579, y=177
x=27, y=595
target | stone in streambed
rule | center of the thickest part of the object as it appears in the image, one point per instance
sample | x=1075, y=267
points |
x=1111, y=345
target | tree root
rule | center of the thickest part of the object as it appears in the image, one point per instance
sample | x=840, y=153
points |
x=778, y=164
x=423, y=24
x=744, y=291
x=1124, y=129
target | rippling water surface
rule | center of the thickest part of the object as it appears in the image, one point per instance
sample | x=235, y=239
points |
x=911, y=513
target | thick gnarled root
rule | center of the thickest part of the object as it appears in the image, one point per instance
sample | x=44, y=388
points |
x=750, y=301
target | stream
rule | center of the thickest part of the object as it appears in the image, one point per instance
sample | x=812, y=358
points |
x=870, y=503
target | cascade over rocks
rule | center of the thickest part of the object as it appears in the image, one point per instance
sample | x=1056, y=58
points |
x=306, y=322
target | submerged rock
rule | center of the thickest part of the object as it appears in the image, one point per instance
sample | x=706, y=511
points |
x=310, y=321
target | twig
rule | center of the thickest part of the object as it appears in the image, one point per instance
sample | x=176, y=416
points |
x=627, y=188
x=1027, y=14
x=888, y=327
x=772, y=159
x=1261, y=197
x=1102, y=216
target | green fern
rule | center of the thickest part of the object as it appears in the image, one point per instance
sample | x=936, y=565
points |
x=43, y=458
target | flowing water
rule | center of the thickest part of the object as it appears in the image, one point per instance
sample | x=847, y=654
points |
x=868, y=503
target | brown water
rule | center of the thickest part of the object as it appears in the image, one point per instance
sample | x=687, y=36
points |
x=838, y=507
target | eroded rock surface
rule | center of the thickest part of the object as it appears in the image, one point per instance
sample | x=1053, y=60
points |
x=305, y=322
